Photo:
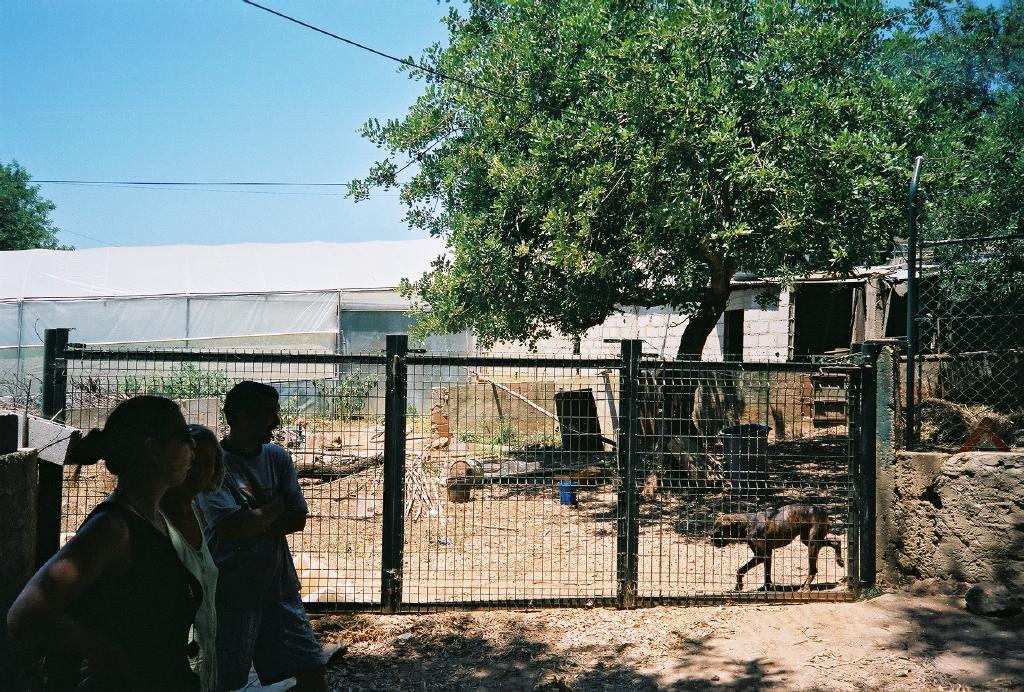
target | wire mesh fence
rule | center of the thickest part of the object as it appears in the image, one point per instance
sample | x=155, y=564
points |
x=760, y=438
x=332, y=423
x=969, y=356
x=439, y=481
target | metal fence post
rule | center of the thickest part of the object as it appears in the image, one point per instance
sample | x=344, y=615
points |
x=51, y=476
x=628, y=529
x=866, y=469
x=394, y=473
x=910, y=432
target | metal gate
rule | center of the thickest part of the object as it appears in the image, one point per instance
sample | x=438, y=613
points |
x=457, y=481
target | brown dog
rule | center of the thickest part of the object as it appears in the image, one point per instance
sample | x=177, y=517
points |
x=776, y=528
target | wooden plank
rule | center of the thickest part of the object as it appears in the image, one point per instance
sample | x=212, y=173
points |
x=49, y=438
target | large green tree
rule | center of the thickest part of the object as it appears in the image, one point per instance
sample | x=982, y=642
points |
x=580, y=156
x=24, y=215
x=966, y=62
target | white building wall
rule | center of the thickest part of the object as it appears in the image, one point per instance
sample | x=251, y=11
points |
x=766, y=332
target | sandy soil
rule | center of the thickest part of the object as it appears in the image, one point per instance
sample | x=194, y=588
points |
x=893, y=642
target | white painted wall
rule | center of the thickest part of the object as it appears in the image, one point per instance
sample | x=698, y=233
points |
x=767, y=334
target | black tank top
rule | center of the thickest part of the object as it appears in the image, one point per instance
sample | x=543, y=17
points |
x=148, y=610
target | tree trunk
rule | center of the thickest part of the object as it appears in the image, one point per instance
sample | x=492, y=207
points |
x=675, y=437
x=678, y=390
x=702, y=323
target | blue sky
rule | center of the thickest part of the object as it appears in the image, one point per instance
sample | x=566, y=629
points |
x=205, y=91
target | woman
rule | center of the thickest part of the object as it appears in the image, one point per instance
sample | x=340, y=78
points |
x=207, y=473
x=116, y=595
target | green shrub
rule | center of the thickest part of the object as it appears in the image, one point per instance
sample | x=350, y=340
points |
x=344, y=397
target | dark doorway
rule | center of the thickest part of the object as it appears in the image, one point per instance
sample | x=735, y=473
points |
x=824, y=315
x=733, y=336
x=896, y=318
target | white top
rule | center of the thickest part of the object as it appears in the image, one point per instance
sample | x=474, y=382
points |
x=200, y=563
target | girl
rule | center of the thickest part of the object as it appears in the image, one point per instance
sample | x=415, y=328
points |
x=178, y=505
x=116, y=596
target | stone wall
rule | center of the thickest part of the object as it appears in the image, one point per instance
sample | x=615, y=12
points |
x=958, y=518
x=18, y=494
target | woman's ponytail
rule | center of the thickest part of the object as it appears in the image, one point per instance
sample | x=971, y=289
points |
x=121, y=442
x=88, y=450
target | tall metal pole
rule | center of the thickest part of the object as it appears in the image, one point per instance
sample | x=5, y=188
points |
x=393, y=541
x=866, y=467
x=628, y=511
x=51, y=476
x=910, y=433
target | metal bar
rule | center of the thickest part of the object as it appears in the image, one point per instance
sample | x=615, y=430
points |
x=51, y=476
x=910, y=437
x=855, y=492
x=328, y=607
x=866, y=466
x=615, y=363
x=393, y=540
x=86, y=353
x=512, y=361
x=339, y=335
x=738, y=597
x=732, y=597
x=627, y=526
x=547, y=602
x=964, y=241
x=19, y=367
x=687, y=367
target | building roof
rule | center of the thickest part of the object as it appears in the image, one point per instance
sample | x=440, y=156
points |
x=244, y=268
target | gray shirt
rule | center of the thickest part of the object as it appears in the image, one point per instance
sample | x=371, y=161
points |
x=250, y=566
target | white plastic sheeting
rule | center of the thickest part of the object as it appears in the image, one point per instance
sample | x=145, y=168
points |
x=212, y=269
x=192, y=293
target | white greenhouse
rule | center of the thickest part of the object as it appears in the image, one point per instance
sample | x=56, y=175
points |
x=334, y=297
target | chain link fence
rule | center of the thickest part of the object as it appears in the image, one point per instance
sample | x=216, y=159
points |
x=460, y=481
x=968, y=364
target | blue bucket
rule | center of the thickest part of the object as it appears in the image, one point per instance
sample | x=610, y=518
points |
x=567, y=493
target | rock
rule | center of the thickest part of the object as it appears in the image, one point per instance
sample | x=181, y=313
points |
x=932, y=586
x=992, y=599
x=405, y=637
x=552, y=683
x=924, y=587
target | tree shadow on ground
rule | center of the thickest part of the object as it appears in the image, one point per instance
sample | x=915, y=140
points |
x=972, y=649
x=459, y=655
x=966, y=649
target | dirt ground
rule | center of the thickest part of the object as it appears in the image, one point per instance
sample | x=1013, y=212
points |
x=896, y=641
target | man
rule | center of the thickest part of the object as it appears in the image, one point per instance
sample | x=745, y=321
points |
x=261, y=621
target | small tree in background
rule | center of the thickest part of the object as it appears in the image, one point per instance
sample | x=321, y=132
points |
x=24, y=215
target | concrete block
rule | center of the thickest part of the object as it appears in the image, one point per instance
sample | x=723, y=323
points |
x=19, y=489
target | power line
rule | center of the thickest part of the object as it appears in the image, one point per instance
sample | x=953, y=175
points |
x=201, y=186
x=423, y=68
x=189, y=182
x=89, y=237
